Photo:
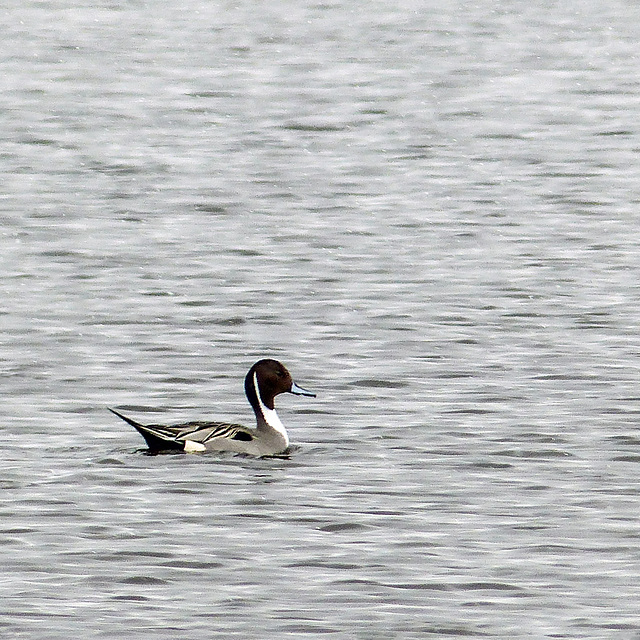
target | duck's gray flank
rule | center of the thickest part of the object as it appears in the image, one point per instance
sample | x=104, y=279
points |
x=265, y=380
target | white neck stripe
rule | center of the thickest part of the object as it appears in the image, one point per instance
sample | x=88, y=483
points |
x=270, y=416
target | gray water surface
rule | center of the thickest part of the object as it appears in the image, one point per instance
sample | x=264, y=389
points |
x=428, y=212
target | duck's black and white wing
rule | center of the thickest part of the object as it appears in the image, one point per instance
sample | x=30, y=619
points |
x=189, y=436
x=209, y=432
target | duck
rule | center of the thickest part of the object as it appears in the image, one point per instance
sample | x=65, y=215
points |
x=265, y=380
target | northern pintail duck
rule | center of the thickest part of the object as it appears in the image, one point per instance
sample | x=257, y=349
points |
x=265, y=380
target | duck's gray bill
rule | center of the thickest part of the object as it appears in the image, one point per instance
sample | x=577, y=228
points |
x=299, y=391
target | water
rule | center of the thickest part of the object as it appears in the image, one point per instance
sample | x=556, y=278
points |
x=428, y=212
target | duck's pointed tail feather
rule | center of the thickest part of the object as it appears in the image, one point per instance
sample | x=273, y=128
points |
x=132, y=422
x=156, y=437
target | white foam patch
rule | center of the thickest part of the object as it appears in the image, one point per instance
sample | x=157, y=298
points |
x=193, y=447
